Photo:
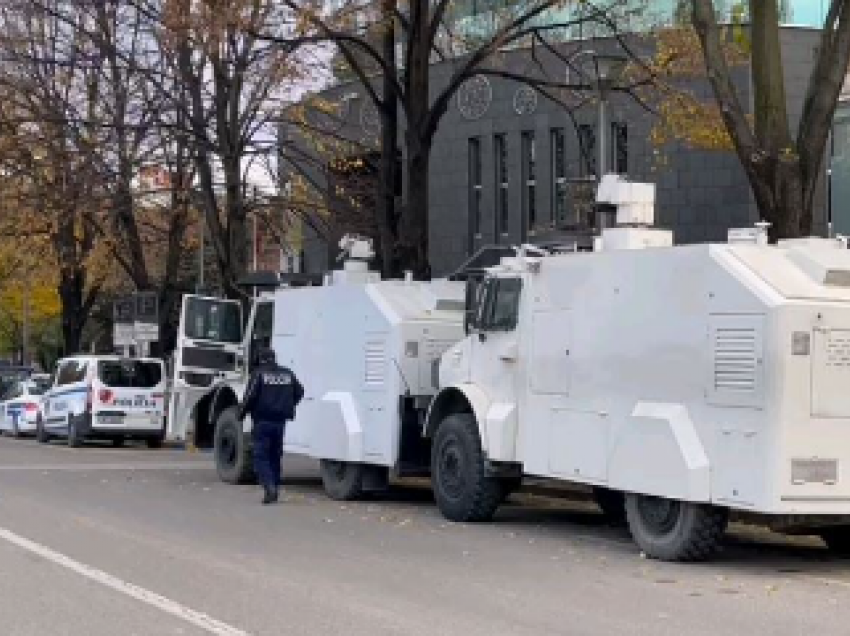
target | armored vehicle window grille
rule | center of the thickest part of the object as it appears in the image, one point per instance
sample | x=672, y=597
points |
x=735, y=359
x=838, y=351
x=376, y=363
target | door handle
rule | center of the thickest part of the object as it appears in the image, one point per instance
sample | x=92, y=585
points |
x=509, y=352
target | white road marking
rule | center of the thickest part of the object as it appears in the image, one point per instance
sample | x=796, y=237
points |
x=115, y=466
x=153, y=599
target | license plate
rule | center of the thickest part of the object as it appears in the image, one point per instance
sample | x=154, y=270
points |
x=111, y=419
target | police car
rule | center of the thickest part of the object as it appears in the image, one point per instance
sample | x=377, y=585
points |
x=104, y=397
x=19, y=404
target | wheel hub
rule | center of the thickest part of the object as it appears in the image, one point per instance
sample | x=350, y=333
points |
x=227, y=449
x=452, y=467
x=336, y=469
x=661, y=515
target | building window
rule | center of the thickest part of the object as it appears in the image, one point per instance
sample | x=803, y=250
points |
x=475, y=187
x=558, y=148
x=529, y=179
x=587, y=150
x=620, y=147
x=500, y=151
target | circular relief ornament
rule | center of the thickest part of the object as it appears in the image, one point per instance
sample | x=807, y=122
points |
x=525, y=100
x=474, y=97
x=370, y=118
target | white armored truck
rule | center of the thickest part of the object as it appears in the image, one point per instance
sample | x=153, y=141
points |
x=368, y=354
x=681, y=382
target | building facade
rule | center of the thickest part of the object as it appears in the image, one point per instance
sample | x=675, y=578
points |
x=509, y=166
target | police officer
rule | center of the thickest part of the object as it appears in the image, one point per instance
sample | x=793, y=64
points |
x=271, y=397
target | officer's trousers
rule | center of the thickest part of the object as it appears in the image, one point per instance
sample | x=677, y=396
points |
x=268, y=450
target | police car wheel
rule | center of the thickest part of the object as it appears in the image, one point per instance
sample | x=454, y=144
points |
x=74, y=439
x=232, y=450
x=40, y=434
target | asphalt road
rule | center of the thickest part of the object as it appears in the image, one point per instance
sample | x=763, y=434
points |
x=106, y=542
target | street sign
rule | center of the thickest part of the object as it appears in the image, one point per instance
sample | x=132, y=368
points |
x=146, y=325
x=123, y=312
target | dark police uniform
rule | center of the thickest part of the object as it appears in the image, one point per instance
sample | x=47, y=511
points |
x=271, y=397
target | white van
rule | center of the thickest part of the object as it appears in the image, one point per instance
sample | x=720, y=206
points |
x=104, y=397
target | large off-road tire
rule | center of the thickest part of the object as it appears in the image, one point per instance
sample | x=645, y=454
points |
x=232, y=449
x=462, y=487
x=837, y=539
x=672, y=530
x=342, y=481
x=75, y=440
x=41, y=435
x=612, y=503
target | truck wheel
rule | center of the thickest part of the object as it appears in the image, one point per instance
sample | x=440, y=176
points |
x=463, y=489
x=41, y=435
x=672, y=530
x=342, y=481
x=612, y=503
x=837, y=539
x=232, y=450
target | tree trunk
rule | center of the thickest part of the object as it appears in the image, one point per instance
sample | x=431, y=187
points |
x=387, y=218
x=71, y=293
x=412, y=246
x=237, y=261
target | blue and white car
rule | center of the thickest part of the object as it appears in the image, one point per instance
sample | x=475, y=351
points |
x=19, y=404
x=105, y=397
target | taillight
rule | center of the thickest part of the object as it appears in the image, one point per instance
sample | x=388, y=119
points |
x=31, y=408
x=105, y=396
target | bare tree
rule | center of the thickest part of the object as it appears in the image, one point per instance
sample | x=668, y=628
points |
x=783, y=166
x=428, y=32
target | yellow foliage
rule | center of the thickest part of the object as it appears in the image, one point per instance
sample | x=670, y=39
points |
x=682, y=116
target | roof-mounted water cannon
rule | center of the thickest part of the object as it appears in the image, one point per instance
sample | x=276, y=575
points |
x=357, y=249
x=634, y=207
x=355, y=254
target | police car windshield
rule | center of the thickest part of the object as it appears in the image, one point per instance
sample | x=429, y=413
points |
x=136, y=374
x=208, y=319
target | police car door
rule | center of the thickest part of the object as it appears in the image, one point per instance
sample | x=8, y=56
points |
x=210, y=352
x=8, y=393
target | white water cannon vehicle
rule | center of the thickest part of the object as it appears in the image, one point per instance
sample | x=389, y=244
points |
x=682, y=383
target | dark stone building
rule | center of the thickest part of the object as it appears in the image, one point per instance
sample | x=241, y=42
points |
x=508, y=165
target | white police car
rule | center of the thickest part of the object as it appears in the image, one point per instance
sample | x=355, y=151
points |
x=105, y=397
x=19, y=404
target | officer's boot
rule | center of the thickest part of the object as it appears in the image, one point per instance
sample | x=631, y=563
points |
x=270, y=495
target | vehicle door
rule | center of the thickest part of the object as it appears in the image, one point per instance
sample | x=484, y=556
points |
x=68, y=396
x=7, y=393
x=210, y=352
x=128, y=394
x=495, y=350
x=13, y=406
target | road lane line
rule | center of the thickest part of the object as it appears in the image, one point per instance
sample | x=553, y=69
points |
x=116, y=466
x=199, y=619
